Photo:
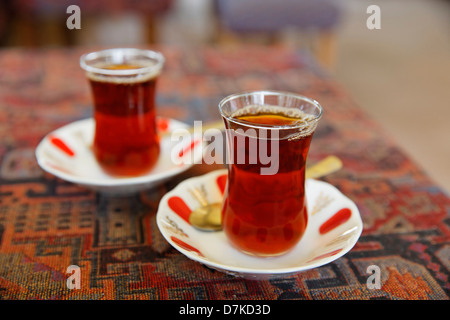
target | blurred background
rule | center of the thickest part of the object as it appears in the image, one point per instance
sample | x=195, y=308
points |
x=400, y=74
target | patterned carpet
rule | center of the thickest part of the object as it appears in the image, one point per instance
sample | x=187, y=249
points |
x=47, y=224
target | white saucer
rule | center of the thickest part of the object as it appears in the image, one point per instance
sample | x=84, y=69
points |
x=322, y=243
x=66, y=153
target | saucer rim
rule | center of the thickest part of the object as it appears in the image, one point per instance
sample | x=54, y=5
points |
x=109, y=181
x=248, y=271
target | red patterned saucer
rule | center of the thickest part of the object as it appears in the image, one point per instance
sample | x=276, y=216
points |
x=334, y=227
x=66, y=153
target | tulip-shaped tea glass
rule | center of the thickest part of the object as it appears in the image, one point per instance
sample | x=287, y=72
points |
x=123, y=85
x=268, y=137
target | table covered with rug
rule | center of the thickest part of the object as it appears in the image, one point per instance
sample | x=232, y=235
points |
x=48, y=224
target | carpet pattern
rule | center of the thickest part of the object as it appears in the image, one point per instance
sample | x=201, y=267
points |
x=47, y=225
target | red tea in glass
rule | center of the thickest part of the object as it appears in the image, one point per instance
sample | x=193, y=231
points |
x=123, y=85
x=264, y=211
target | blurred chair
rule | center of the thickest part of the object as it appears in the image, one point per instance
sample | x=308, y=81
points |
x=271, y=18
x=43, y=22
x=6, y=20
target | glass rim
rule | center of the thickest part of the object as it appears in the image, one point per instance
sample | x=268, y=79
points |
x=118, y=55
x=303, y=124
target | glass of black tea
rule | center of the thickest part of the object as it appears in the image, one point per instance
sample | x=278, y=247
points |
x=268, y=135
x=123, y=83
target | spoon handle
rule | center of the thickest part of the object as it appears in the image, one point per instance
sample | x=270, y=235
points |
x=326, y=166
